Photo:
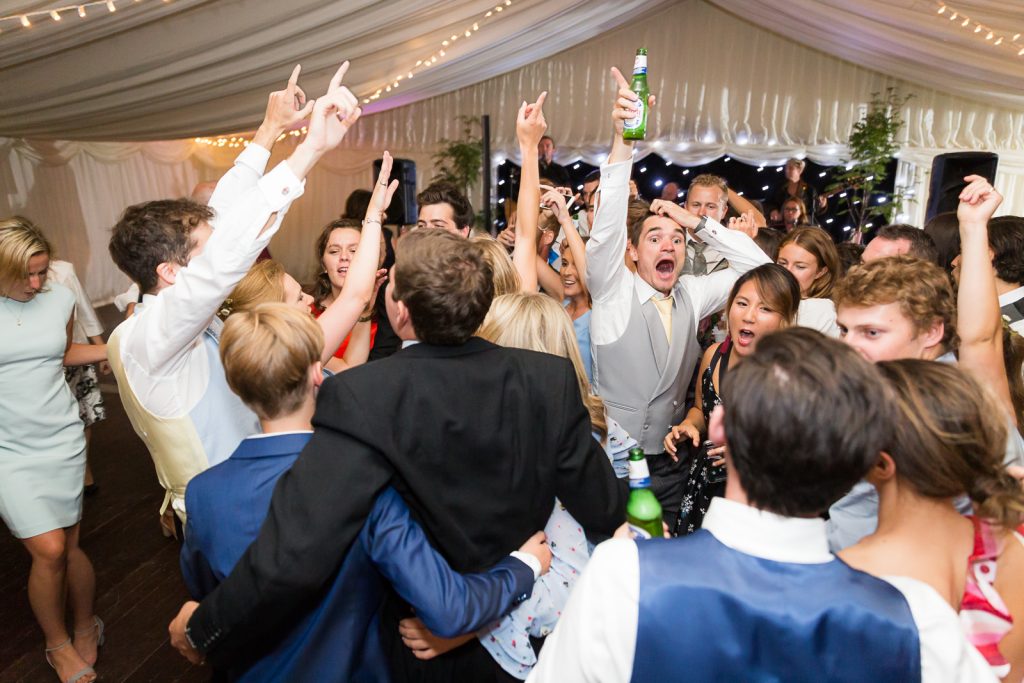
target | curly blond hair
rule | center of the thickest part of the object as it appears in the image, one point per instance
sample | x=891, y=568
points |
x=922, y=290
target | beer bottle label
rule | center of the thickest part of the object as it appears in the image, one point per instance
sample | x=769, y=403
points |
x=638, y=532
x=637, y=120
x=639, y=474
x=640, y=65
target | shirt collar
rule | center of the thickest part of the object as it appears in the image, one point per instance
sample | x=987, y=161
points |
x=1011, y=296
x=406, y=343
x=644, y=291
x=766, y=535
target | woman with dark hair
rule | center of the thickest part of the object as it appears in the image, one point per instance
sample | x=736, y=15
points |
x=763, y=300
x=42, y=447
x=947, y=453
x=810, y=255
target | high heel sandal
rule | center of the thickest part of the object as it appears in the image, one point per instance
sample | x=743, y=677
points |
x=77, y=676
x=98, y=627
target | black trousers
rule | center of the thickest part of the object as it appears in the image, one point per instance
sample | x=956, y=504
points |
x=667, y=477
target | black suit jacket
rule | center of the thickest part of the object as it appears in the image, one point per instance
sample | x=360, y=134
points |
x=477, y=438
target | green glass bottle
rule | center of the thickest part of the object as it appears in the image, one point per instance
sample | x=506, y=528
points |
x=643, y=511
x=636, y=127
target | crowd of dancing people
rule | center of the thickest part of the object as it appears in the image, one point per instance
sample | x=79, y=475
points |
x=416, y=467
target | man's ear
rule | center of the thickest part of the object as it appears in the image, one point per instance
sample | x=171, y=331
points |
x=934, y=334
x=316, y=374
x=882, y=471
x=167, y=273
x=631, y=250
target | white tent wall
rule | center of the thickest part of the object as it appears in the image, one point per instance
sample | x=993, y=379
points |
x=724, y=85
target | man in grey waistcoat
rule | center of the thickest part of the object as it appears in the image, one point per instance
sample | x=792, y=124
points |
x=644, y=324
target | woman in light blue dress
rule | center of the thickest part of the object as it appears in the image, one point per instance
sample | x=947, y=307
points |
x=42, y=446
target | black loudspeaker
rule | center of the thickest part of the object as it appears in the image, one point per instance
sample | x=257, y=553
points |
x=403, y=209
x=948, y=172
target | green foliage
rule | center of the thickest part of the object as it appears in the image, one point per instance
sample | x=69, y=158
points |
x=459, y=161
x=872, y=144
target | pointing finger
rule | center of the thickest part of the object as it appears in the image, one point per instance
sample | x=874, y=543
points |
x=338, y=75
x=617, y=75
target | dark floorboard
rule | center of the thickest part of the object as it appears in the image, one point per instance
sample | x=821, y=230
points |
x=138, y=583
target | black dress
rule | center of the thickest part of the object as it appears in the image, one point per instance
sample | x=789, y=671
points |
x=704, y=481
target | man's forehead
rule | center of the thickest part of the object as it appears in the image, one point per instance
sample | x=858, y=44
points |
x=705, y=194
x=441, y=210
x=661, y=224
x=878, y=314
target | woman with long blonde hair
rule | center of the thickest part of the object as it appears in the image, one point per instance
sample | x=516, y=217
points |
x=42, y=447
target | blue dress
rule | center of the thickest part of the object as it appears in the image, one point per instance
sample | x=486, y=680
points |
x=42, y=442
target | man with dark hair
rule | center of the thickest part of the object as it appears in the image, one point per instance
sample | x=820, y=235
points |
x=549, y=170
x=443, y=207
x=756, y=594
x=644, y=324
x=480, y=472
x=900, y=239
x=186, y=258
x=1006, y=242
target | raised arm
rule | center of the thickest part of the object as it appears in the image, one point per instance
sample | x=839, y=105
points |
x=979, y=321
x=285, y=109
x=530, y=126
x=356, y=296
x=607, y=246
x=743, y=206
x=556, y=201
x=241, y=231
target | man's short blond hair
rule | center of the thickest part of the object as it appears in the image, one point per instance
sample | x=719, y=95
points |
x=711, y=180
x=267, y=352
x=921, y=288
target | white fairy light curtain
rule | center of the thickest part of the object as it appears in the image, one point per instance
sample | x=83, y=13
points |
x=766, y=98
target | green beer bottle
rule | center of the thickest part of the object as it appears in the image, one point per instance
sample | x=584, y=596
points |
x=636, y=127
x=643, y=511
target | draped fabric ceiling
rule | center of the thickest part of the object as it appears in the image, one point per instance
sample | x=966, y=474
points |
x=100, y=113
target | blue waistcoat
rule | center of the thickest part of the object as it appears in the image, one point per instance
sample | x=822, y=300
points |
x=711, y=613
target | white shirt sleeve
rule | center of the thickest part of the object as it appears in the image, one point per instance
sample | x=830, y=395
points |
x=159, y=346
x=609, y=281
x=87, y=324
x=247, y=169
x=595, y=638
x=946, y=655
x=709, y=293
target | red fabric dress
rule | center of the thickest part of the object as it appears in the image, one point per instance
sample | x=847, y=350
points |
x=317, y=312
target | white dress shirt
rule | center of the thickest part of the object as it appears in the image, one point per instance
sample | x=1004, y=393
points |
x=161, y=345
x=820, y=315
x=611, y=284
x=87, y=324
x=595, y=639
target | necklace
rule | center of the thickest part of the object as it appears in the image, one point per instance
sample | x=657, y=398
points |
x=17, y=317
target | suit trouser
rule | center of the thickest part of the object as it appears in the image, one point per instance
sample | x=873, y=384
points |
x=667, y=477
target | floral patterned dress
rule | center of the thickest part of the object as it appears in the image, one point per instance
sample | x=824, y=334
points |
x=704, y=481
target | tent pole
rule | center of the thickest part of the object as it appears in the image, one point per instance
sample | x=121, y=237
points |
x=485, y=125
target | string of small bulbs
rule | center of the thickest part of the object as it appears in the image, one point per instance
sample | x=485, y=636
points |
x=235, y=141
x=994, y=37
x=29, y=19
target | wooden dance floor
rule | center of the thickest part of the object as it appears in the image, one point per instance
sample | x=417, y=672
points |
x=138, y=583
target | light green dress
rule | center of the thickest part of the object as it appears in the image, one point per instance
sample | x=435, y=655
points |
x=42, y=442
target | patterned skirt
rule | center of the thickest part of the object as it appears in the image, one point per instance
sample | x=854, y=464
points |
x=86, y=389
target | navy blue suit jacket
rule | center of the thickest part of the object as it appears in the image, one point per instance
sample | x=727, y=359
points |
x=338, y=637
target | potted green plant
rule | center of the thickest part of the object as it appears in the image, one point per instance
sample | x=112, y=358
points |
x=459, y=161
x=871, y=147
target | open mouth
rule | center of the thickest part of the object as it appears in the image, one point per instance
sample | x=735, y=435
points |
x=665, y=266
x=744, y=337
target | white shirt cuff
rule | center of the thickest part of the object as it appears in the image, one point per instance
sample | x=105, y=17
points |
x=616, y=174
x=530, y=561
x=281, y=186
